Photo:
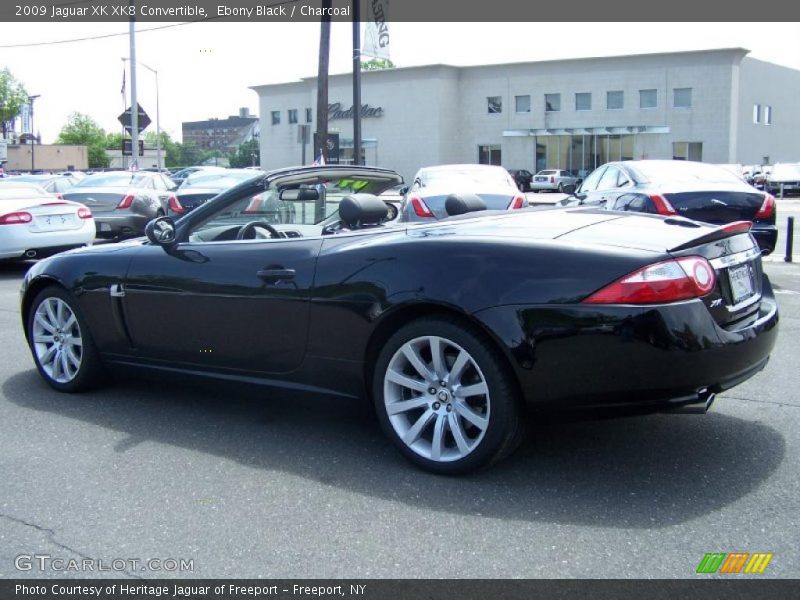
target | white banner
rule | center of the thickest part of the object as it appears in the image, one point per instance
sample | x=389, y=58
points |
x=26, y=118
x=376, y=30
x=3, y=151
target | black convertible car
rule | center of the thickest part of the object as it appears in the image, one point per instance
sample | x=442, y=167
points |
x=454, y=329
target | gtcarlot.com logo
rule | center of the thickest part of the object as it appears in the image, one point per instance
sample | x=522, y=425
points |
x=46, y=562
x=734, y=563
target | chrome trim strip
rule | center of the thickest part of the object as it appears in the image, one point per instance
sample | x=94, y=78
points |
x=745, y=303
x=723, y=262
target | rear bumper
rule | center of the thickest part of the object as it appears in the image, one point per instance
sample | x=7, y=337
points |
x=17, y=242
x=766, y=236
x=648, y=358
x=112, y=226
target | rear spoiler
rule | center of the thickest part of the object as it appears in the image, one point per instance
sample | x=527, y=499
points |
x=719, y=233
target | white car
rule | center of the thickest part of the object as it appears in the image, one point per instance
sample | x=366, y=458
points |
x=35, y=224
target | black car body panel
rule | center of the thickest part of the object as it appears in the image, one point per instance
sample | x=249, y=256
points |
x=520, y=278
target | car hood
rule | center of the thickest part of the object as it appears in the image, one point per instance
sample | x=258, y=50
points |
x=575, y=226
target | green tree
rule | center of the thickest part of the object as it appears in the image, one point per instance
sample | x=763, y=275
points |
x=82, y=130
x=376, y=64
x=191, y=154
x=12, y=97
x=246, y=155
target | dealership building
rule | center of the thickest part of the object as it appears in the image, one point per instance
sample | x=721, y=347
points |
x=718, y=106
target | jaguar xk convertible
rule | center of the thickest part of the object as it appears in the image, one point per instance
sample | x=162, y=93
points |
x=458, y=331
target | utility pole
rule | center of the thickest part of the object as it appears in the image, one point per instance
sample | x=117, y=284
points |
x=322, y=82
x=134, y=101
x=31, y=99
x=356, y=82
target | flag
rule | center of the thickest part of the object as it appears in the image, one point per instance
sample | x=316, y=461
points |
x=123, y=84
x=376, y=30
x=320, y=160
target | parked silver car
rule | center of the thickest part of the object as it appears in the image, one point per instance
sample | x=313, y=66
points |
x=553, y=180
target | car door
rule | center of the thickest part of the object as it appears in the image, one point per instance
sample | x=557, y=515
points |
x=607, y=187
x=587, y=193
x=215, y=301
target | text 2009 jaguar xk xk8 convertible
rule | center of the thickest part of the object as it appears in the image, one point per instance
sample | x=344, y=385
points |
x=455, y=330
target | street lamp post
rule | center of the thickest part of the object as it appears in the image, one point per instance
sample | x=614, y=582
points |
x=31, y=99
x=158, y=113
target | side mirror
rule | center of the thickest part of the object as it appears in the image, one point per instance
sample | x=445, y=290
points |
x=403, y=190
x=569, y=189
x=161, y=231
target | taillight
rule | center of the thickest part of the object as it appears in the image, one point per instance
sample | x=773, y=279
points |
x=667, y=281
x=420, y=208
x=15, y=218
x=552, y=179
x=175, y=205
x=737, y=227
x=517, y=202
x=663, y=207
x=126, y=202
x=59, y=195
x=84, y=213
x=254, y=205
x=767, y=207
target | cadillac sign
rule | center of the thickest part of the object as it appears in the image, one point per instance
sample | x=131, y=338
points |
x=335, y=111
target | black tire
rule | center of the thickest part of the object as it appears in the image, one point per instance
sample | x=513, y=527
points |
x=90, y=373
x=535, y=191
x=505, y=423
x=561, y=188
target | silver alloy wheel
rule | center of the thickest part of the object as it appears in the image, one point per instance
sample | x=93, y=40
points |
x=436, y=398
x=57, y=340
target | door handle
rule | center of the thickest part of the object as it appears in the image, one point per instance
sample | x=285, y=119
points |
x=275, y=275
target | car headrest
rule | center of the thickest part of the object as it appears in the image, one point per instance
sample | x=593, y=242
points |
x=458, y=204
x=356, y=210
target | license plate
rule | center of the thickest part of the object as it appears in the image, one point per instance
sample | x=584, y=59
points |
x=541, y=179
x=105, y=227
x=51, y=222
x=741, y=283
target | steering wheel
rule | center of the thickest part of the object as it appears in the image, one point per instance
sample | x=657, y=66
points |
x=247, y=231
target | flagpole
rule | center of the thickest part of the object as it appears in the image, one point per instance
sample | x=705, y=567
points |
x=356, y=82
x=134, y=101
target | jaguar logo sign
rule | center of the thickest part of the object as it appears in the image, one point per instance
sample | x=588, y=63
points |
x=335, y=111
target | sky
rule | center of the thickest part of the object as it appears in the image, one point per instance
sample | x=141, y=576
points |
x=206, y=69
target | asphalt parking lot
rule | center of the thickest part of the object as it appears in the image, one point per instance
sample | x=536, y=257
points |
x=249, y=485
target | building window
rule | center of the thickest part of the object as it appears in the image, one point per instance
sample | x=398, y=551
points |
x=767, y=115
x=648, y=98
x=687, y=151
x=293, y=115
x=682, y=98
x=583, y=101
x=756, y=113
x=309, y=115
x=522, y=104
x=615, y=100
x=552, y=102
x=494, y=105
x=276, y=117
x=489, y=155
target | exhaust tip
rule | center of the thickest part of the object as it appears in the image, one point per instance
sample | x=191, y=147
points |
x=699, y=406
x=30, y=253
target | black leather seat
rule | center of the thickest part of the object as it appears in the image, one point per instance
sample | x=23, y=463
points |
x=458, y=204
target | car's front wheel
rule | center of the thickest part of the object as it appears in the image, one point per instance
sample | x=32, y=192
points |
x=60, y=341
x=446, y=397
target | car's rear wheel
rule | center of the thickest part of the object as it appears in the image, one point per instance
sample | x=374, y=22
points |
x=62, y=347
x=446, y=397
x=561, y=187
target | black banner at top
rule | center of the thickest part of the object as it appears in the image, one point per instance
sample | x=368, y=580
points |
x=400, y=11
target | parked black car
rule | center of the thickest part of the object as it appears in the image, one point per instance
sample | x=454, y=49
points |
x=454, y=328
x=698, y=191
x=522, y=178
x=201, y=186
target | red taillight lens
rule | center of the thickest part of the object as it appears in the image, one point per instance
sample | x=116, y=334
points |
x=662, y=282
x=663, y=207
x=126, y=202
x=767, y=207
x=175, y=205
x=84, y=213
x=254, y=205
x=737, y=227
x=517, y=202
x=552, y=179
x=15, y=218
x=420, y=208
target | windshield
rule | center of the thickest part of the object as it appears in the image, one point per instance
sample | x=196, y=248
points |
x=14, y=192
x=113, y=180
x=217, y=181
x=681, y=171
